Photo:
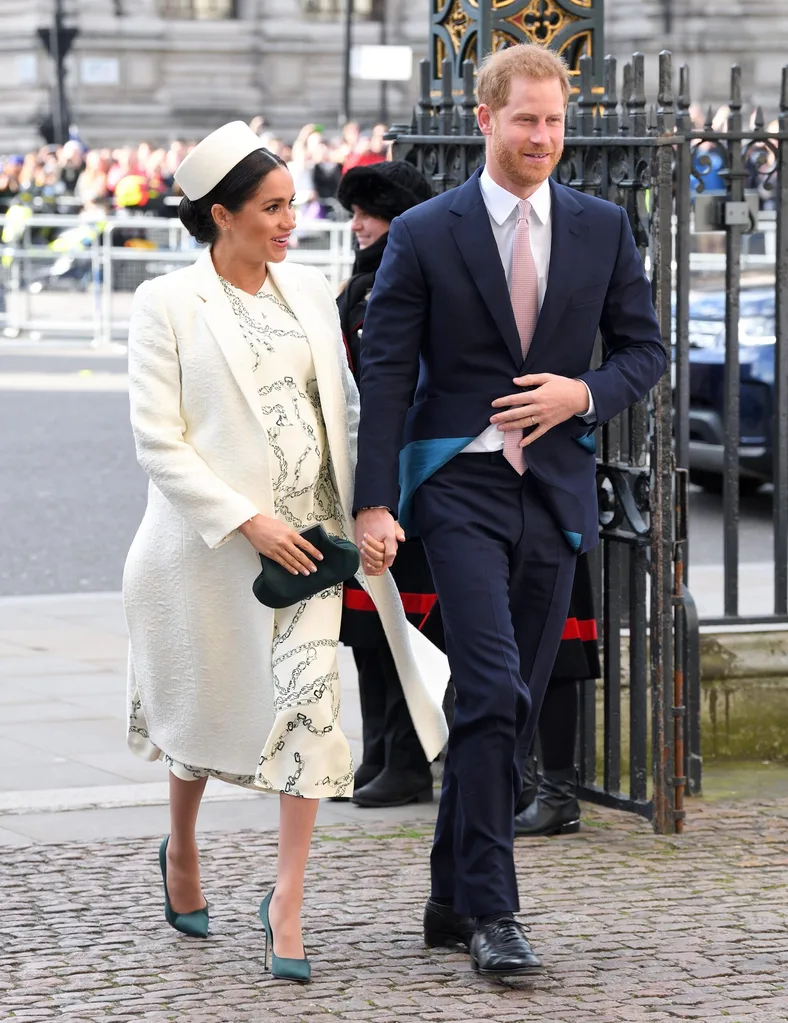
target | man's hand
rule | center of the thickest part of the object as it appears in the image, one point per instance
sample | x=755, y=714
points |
x=552, y=400
x=377, y=537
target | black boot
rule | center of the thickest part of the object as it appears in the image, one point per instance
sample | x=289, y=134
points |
x=530, y=785
x=396, y=788
x=365, y=773
x=555, y=811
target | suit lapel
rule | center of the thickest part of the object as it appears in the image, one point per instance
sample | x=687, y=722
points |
x=475, y=240
x=222, y=322
x=563, y=255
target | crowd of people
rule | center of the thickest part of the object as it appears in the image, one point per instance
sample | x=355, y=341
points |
x=73, y=176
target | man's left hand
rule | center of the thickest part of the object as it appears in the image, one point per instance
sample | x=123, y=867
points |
x=552, y=399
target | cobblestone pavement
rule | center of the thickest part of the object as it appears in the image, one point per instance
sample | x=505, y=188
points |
x=632, y=927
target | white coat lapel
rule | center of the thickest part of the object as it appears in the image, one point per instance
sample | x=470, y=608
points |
x=222, y=323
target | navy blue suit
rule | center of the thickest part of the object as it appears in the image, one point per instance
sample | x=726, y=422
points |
x=440, y=343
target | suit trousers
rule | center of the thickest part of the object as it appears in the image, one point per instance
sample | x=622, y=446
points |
x=503, y=572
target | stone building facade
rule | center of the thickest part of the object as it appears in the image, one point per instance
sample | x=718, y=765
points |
x=158, y=69
x=709, y=37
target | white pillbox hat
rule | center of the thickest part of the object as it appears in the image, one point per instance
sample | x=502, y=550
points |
x=215, y=156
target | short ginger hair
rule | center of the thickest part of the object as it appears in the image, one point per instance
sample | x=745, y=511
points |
x=524, y=60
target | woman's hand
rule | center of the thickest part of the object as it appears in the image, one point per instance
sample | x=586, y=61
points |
x=282, y=544
x=378, y=536
x=373, y=555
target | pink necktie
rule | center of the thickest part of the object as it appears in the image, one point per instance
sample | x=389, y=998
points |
x=524, y=292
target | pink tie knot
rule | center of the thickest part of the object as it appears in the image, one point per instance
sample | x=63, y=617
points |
x=524, y=209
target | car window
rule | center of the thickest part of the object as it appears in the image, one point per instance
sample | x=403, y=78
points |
x=757, y=304
x=708, y=307
x=711, y=305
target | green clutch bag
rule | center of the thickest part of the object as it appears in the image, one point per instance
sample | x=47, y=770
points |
x=277, y=587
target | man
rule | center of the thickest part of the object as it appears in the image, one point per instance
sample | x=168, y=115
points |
x=487, y=303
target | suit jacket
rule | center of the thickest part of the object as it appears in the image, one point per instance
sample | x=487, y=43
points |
x=200, y=643
x=440, y=321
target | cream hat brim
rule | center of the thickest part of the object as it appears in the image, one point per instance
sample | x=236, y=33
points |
x=215, y=157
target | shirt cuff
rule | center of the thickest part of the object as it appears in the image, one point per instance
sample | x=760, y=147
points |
x=589, y=416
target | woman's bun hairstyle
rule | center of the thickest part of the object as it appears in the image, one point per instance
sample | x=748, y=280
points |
x=198, y=221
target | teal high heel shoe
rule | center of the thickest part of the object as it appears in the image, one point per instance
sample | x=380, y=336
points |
x=298, y=970
x=194, y=924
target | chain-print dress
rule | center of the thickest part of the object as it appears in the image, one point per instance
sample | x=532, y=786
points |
x=306, y=753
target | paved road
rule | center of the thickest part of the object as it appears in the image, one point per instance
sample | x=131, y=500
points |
x=632, y=929
x=71, y=494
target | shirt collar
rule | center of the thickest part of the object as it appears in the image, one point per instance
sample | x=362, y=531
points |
x=500, y=203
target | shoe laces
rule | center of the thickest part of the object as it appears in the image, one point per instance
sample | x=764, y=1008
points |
x=511, y=930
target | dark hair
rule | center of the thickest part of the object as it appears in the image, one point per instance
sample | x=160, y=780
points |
x=234, y=190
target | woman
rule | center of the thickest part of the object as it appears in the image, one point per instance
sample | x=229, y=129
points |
x=244, y=418
x=394, y=770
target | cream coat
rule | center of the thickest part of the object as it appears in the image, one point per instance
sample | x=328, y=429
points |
x=200, y=643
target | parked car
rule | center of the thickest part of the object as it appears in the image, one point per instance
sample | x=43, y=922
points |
x=707, y=373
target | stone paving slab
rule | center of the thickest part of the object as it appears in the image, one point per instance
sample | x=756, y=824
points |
x=631, y=927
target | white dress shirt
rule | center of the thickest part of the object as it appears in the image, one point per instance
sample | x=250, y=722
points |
x=502, y=209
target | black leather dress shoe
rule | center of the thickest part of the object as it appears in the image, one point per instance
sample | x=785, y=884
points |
x=555, y=811
x=396, y=788
x=443, y=928
x=365, y=773
x=500, y=948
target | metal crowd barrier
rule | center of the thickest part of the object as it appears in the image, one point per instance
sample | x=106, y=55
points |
x=70, y=278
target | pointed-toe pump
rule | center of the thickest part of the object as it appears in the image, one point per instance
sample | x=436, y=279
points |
x=194, y=924
x=298, y=970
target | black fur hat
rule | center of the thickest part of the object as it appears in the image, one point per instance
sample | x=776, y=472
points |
x=384, y=190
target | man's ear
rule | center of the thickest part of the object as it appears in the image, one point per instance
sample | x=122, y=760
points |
x=484, y=117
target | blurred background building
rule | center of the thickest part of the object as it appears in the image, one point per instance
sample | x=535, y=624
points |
x=159, y=69
x=709, y=37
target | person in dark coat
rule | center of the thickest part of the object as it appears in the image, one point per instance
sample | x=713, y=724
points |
x=393, y=770
x=548, y=805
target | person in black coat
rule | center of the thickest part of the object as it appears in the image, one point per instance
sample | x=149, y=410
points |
x=393, y=770
x=548, y=805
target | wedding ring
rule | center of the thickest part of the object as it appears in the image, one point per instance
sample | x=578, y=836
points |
x=533, y=422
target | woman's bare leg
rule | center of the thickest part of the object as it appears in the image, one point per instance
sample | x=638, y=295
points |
x=296, y=823
x=183, y=866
